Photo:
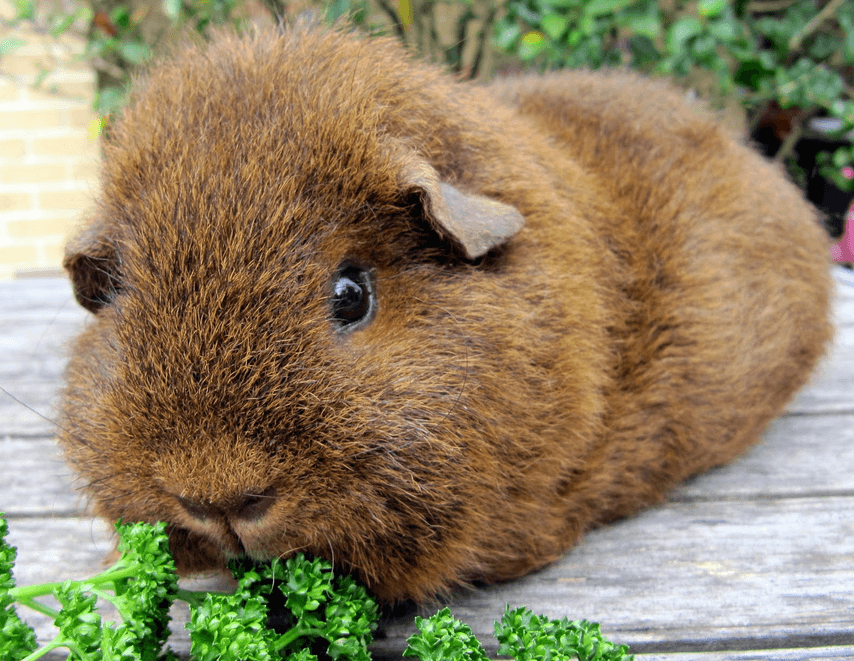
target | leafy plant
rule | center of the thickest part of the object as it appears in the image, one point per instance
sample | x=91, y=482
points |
x=332, y=610
x=797, y=54
x=317, y=612
x=141, y=585
x=121, y=35
x=521, y=634
x=529, y=637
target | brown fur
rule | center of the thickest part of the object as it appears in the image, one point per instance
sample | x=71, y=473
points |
x=667, y=295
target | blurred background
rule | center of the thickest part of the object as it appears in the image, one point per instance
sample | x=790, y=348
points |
x=780, y=72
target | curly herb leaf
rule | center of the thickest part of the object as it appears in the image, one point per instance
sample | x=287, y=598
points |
x=324, y=613
x=444, y=638
x=17, y=639
x=529, y=637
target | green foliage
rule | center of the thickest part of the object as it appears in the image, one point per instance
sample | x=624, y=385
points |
x=17, y=640
x=520, y=633
x=443, y=638
x=141, y=585
x=122, y=40
x=529, y=637
x=327, y=614
x=794, y=56
x=231, y=626
x=120, y=35
x=332, y=610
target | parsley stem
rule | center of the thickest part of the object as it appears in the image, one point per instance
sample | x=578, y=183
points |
x=292, y=634
x=39, y=653
x=31, y=603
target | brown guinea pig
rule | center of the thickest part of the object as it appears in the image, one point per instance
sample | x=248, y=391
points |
x=431, y=331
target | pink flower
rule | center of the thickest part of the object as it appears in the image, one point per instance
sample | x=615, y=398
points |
x=843, y=250
x=848, y=172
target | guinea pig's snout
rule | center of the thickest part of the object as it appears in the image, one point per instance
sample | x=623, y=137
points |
x=250, y=505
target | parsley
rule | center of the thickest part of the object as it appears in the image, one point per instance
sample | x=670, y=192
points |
x=322, y=614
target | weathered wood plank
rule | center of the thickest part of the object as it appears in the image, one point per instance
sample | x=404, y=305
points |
x=798, y=456
x=831, y=389
x=35, y=481
x=696, y=576
x=37, y=319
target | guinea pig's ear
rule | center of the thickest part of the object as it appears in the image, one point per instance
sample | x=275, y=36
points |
x=475, y=223
x=92, y=265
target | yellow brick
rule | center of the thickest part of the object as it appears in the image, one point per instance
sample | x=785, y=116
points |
x=11, y=149
x=9, y=91
x=15, y=201
x=17, y=254
x=26, y=66
x=22, y=229
x=44, y=44
x=81, y=117
x=64, y=91
x=64, y=199
x=54, y=252
x=21, y=174
x=88, y=169
x=80, y=92
x=74, y=143
x=31, y=119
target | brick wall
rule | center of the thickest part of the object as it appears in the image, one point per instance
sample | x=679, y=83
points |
x=48, y=161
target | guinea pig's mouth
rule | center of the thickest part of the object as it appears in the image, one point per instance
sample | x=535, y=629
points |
x=237, y=527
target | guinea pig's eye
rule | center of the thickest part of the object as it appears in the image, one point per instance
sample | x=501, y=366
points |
x=353, y=299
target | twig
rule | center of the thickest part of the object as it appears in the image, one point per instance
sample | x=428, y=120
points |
x=434, y=41
x=788, y=147
x=277, y=8
x=395, y=19
x=113, y=70
x=826, y=12
x=457, y=49
x=483, y=37
x=769, y=6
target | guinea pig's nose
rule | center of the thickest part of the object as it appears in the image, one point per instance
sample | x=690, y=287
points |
x=249, y=505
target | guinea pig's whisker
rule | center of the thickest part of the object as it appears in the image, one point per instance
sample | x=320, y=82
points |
x=291, y=551
x=30, y=408
x=105, y=478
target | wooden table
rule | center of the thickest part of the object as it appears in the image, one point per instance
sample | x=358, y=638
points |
x=751, y=561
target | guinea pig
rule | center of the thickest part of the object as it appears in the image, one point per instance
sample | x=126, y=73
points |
x=432, y=331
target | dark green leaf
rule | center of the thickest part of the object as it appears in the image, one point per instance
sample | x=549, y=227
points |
x=597, y=8
x=506, y=34
x=711, y=8
x=554, y=25
x=643, y=52
x=135, y=52
x=681, y=31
